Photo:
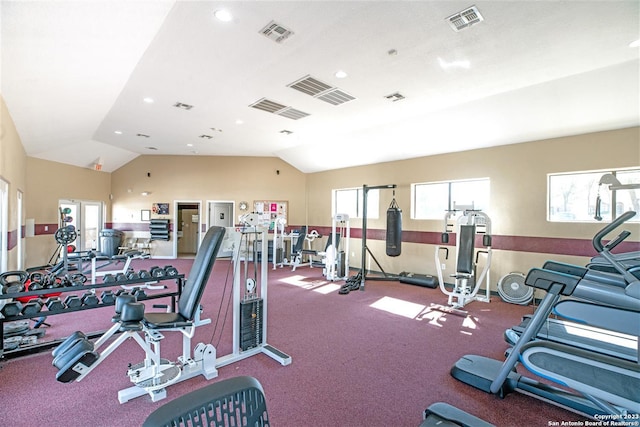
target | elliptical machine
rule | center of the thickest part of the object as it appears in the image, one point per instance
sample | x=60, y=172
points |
x=467, y=283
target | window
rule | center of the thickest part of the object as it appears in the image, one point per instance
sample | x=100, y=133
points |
x=432, y=199
x=350, y=201
x=574, y=196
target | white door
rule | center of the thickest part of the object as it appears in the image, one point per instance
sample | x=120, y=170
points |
x=221, y=215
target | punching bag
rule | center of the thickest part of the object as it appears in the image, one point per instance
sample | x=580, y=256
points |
x=394, y=229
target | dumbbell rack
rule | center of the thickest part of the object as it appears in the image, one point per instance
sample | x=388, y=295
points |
x=174, y=295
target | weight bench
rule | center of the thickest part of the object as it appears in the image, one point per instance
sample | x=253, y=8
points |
x=77, y=356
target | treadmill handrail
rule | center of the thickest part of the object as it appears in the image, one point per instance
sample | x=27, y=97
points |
x=597, y=239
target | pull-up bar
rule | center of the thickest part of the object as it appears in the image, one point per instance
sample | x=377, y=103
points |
x=365, y=249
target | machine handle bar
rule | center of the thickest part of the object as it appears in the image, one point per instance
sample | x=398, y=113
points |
x=597, y=239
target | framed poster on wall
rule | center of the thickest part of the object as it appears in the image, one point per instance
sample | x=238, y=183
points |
x=269, y=211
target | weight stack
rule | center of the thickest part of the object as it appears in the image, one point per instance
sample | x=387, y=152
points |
x=250, y=323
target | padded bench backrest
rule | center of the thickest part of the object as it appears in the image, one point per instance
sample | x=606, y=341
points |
x=466, y=248
x=200, y=272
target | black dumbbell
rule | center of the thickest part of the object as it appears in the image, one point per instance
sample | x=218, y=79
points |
x=89, y=299
x=139, y=293
x=72, y=301
x=144, y=274
x=32, y=307
x=107, y=297
x=121, y=277
x=109, y=278
x=11, y=308
x=170, y=271
x=54, y=304
x=157, y=272
x=132, y=275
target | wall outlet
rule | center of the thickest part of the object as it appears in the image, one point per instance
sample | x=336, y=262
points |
x=444, y=266
x=46, y=228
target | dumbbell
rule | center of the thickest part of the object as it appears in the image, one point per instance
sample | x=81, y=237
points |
x=170, y=271
x=138, y=293
x=33, y=307
x=54, y=304
x=109, y=278
x=107, y=297
x=72, y=301
x=144, y=274
x=157, y=272
x=121, y=277
x=132, y=275
x=89, y=299
x=11, y=308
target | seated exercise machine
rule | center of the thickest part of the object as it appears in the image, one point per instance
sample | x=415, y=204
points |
x=600, y=384
x=330, y=254
x=77, y=356
x=466, y=288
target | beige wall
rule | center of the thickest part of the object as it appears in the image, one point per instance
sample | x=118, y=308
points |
x=204, y=178
x=13, y=170
x=518, y=175
x=49, y=182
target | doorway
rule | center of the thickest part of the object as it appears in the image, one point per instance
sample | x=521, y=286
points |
x=187, y=233
x=86, y=217
x=221, y=215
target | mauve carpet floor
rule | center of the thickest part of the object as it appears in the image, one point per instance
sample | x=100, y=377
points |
x=376, y=357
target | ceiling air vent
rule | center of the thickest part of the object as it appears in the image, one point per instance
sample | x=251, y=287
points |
x=336, y=97
x=320, y=90
x=276, y=32
x=183, y=106
x=464, y=19
x=279, y=109
x=395, y=97
x=292, y=113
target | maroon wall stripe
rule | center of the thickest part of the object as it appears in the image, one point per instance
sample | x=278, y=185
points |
x=546, y=245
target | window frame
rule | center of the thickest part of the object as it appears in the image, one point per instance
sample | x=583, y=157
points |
x=450, y=203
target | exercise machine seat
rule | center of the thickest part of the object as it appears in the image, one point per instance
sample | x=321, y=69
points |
x=194, y=287
x=237, y=401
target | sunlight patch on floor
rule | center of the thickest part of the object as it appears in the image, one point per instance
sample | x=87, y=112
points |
x=399, y=307
x=327, y=289
x=298, y=280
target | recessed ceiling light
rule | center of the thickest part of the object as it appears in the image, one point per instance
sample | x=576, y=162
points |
x=143, y=135
x=223, y=15
x=189, y=145
x=341, y=74
x=148, y=100
x=239, y=122
x=454, y=64
x=118, y=132
x=151, y=148
x=286, y=132
x=635, y=43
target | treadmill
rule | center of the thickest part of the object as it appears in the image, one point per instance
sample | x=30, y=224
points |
x=598, y=384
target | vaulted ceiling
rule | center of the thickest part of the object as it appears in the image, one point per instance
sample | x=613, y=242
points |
x=106, y=81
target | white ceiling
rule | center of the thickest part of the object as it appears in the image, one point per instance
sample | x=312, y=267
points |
x=73, y=73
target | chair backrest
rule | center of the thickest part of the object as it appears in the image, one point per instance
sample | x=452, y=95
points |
x=237, y=401
x=300, y=241
x=200, y=272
